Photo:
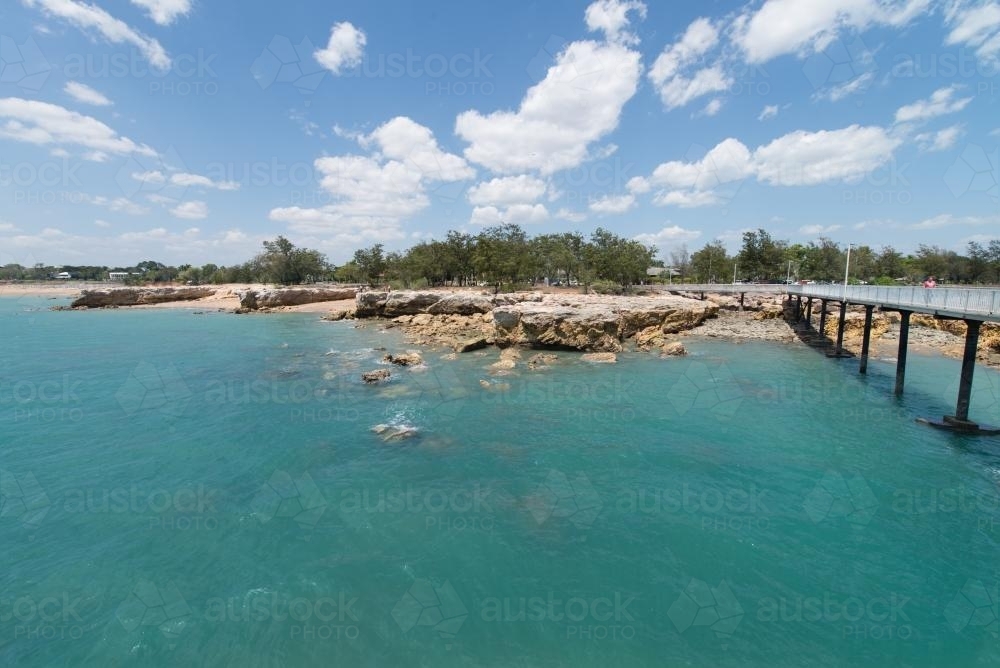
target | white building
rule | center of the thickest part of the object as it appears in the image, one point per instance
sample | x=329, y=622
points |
x=117, y=276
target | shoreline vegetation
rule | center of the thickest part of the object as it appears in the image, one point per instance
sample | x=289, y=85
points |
x=458, y=320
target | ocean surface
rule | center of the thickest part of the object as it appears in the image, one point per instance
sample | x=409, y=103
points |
x=185, y=488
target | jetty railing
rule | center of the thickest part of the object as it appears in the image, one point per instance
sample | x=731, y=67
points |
x=959, y=302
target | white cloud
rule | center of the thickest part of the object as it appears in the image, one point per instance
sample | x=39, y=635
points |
x=856, y=85
x=783, y=27
x=942, y=140
x=507, y=191
x=164, y=12
x=579, y=102
x=811, y=158
x=570, y=216
x=612, y=204
x=713, y=107
x=729, y=161
x=941, y=102
x=667, y=236
x=948, y=220
x=345, y=48
x=96, y=156
x=85, y=94
x=409, y=142
x=816, y=230
x=91, y=18
x=193, y=210
x=117, y=205
x=796, y=159
x=59, y=153
x=518, y=214
x=102, y=223
x=37, y=122
x=769, y=111
x=976, y=26
x=611, y=18
x=372, y=195
x=185, y=180
x=668, y=74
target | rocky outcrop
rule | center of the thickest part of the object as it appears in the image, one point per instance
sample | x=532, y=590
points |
x=138, y=296
x=253, y=300
x=596, y=323
x=468, y=321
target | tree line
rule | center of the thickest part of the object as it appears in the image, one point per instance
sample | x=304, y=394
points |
x=505, y=256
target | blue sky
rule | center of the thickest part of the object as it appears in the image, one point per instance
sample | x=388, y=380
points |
x=190, y=131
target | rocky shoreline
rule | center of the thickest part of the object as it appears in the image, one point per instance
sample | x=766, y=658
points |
x=464, y=321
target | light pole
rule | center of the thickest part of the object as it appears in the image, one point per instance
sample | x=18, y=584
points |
x=847, y=268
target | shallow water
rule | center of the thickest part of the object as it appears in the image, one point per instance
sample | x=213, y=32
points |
x=205, y=489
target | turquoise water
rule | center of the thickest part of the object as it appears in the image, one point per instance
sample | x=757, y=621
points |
x=183, y=488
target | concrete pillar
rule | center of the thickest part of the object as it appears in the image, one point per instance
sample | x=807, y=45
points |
x=968, y=369
x=809, y=311
x=798, y=308
x=840, y=328
x=866, y=340
x=904, y=338
x=742, y=294
x=822, y=318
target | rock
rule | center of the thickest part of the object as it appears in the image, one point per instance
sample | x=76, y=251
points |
x=468, y=345
x=409, y=303
x=673, y=349
x=541, y=360
x=375, y=376
x=503, y=365
x=462, y=304
x=485, y=384
x=406, y=359
x=599, y=358
x=370, y=304
x=392, y=433
x=258, y=299
x=139, y=296
x=337, y=316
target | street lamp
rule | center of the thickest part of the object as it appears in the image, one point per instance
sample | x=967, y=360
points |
x=847, y=269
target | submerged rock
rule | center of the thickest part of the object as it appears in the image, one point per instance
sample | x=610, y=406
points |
x=406, y=359
x=392, y=433
x=673, y=349
x=376, y=376
x=599, y=358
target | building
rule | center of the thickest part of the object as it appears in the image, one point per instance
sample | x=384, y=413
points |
x=64, y=275
x=118, y=276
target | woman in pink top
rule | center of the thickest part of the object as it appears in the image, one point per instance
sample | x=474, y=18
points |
x=929, y=283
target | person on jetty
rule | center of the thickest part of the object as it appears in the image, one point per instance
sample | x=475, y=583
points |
x=930, y=282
